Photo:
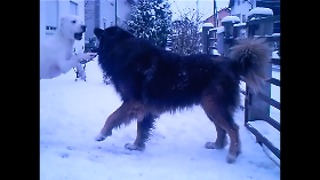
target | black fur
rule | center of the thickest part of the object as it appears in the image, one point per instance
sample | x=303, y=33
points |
x=140, y=70
x=162, y=81
x=147, y=125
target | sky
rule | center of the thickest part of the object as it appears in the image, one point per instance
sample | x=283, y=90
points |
x=205, y=7
x=72, y=113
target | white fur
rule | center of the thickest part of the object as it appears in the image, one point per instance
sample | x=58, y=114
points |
x=56, y=55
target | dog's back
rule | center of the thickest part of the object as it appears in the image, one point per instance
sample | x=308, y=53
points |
x=142, y=71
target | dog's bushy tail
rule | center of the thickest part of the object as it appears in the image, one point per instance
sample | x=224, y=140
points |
x=252, y=56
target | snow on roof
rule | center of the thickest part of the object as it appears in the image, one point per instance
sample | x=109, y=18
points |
x=239, y=24
x=207, y=25
x=220, y=29
x=276, y=34
x=233, y=19
x=260, y=10
x=214, y=28
x=275, y=55
x=215, y=52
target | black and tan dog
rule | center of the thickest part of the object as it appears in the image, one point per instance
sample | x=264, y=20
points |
x=151, y=81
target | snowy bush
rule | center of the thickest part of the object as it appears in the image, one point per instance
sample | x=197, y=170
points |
x=185, y=36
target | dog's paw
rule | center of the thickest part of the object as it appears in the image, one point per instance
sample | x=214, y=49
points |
x=231, y=158
x=86, y=57
x=216, y=145
x=212, y=145
x=83, y=76
x=134, y=147
x=91, y=56
x=100, y=137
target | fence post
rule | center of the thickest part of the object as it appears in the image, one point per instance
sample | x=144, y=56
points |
x=205, y=29
x=259, y=109
x=228, y=22
x=211, y=41
x=265, y=28
x=220, y=39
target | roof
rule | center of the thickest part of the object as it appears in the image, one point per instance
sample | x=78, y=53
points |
x=223, y=9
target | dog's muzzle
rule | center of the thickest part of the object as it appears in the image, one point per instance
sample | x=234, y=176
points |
x=84, y=28
x=78, y=36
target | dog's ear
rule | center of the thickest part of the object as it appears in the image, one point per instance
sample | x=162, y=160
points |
x=98, y=32
x=62, y=19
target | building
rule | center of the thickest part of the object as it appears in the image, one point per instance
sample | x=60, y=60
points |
x=241, y=8
x=52, y=10
x=92, y=17
x=220, y=14
x=103, y=13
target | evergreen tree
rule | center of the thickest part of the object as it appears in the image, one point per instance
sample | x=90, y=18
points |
x=151, y=19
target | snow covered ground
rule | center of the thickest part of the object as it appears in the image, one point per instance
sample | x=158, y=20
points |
x=72, y=113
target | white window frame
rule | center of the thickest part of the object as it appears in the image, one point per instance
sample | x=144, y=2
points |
x=74, y=7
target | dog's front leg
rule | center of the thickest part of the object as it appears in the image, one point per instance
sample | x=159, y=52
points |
x=65, y=65
x=85, y=57
x=81, y=72
x=144, y=129
x=123, y=115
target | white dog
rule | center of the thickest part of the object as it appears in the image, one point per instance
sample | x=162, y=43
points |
x=56, y=52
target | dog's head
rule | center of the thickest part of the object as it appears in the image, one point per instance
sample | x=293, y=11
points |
x=111, y=36
x=72, y=27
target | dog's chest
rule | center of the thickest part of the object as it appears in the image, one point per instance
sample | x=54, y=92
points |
x=68, y=55
x=66, y=49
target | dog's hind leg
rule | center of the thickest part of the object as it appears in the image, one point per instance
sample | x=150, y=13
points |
x=223, y=119
x=144, y=129
x=221, y=140
x=123, y=115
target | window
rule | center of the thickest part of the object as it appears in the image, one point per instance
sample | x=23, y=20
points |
x=73, y=8
x=51, y=16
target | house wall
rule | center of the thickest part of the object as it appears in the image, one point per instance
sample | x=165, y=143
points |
x=91, y=17
x=241, y=9
x=107, y=12
x=101, y=13
x=42, y=20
